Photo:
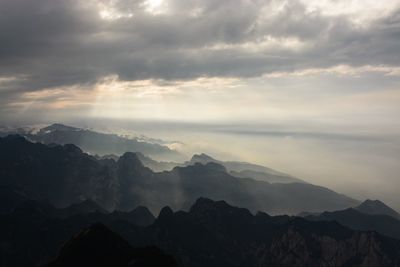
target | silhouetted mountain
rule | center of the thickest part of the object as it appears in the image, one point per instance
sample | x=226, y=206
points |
x=214, y=182
x=247, y=170
x=111, y=145
x=64, y=175
x=211, y=233
x=383, y=224
x=97, y=143
x=42, y=210
x=61, y=174
x=377, y=207
x=35, y=231
x=217, y=234
x=99, y=246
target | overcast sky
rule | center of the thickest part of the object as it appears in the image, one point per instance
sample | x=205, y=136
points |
x=201, y=60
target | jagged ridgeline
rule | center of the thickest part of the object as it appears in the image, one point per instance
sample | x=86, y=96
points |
x=211, y=233
x=63, y=174
x=95, y=142
x=60, y=206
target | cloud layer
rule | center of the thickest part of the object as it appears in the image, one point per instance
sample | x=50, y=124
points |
x=52, y=43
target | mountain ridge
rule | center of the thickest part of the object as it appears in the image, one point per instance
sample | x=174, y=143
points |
x=383, y=224
x=377, y=207
x=94, y=142
x=126, y=183
x=206, y=235
x=211, y=233
x=246, y=170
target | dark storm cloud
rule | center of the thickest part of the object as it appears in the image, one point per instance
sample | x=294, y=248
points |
x=51, y=43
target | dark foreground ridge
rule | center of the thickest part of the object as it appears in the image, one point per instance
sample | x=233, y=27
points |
x=211, y=233
x=99, y=246
x=214, y=233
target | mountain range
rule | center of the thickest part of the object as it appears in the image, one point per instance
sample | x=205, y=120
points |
x=235, y=168
x=369, y=215
x=112, y=146
x=377, y=207
x=61, y=206
x=247, y=170
x=64, y=174
x=93, y=142
x=211, y=233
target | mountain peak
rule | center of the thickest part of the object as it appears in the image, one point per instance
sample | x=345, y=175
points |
x=377, y=207
x=130, y=158
x=95, y=246
x=374, y=202
x=142, y=211
x=58, y=127
x=205, y=202
x=202, y=158
x=165, y=212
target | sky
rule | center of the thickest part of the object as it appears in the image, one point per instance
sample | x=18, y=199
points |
x=324, y=73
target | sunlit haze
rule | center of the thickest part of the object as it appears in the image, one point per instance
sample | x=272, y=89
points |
x=311, y=88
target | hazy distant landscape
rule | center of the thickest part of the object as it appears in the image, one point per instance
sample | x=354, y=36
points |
x=48, y=186
x=199, y=133
x=357, y=162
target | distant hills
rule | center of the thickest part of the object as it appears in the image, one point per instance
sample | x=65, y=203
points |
x=235, y=168
x=64, y=175
x=94, y=142
x=105, y=146
x=247, y=170
x=369, y=215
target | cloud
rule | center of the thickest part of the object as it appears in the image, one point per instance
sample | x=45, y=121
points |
x=62, y=45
